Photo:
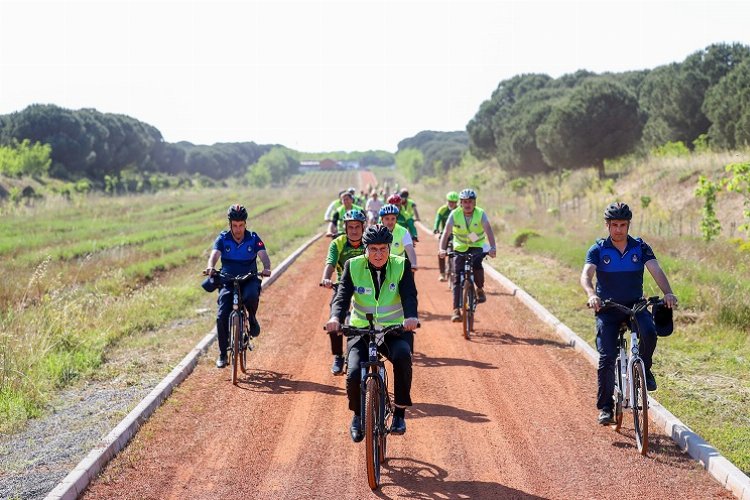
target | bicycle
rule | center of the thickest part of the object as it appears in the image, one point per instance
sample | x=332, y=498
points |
x=467, y=301
x=376, y=399
x=239, y=325
x=630, y=372
x=450, y=266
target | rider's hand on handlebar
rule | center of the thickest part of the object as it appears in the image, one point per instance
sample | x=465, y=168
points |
x=265, y=272
x=410, y=324
x=435, y=231
x=327, y=283
x=333, y=325
x=595, y=303
x=210, y=271
x=492, y=253
x=442, y=253
x=670, y=299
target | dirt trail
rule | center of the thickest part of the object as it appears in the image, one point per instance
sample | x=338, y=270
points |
x=509, y=414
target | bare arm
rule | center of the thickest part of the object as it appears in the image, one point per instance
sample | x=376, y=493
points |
x=263, y=255
x=213, y=258
x=327, y=273
x=447, y=232
x=416, y=212
x=490, y=235
x=587, y=282
x=661, y=280
x=412, y=255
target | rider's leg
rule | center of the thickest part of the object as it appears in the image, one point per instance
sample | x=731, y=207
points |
x=648, y=337
x=458, y=266
x=222, y=318
x=441, y=265
x=251, y=298
x=399, y=352
x=607, y=328
x=357, y=352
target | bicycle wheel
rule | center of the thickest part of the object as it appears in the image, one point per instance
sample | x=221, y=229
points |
x=640, y=406
x=244, y=339
x=618, y=394
x=234, y=342
x=468, y=309
x=372, y=437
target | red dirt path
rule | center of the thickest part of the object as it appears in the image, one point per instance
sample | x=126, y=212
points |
x=509, y=414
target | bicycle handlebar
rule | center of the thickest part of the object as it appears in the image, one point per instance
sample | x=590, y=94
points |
x=637, y=307
x=230, y=277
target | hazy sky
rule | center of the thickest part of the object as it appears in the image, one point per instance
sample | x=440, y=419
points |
x=322, y=76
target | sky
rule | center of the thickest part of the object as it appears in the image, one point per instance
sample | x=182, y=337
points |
x=316, y=76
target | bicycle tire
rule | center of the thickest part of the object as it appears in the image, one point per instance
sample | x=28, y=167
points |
x=617, y=396
x=372, y=445
x=245, y=339
x=466, y=310
x=234, y=339
x=640, y=406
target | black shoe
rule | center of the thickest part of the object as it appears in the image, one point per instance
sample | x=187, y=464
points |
x=356, y=429
x=254, y=328
x=398, y=426
x=606, y=417
x=337, y=368
x=650, y=381
x=481, y=297
x=221, y=361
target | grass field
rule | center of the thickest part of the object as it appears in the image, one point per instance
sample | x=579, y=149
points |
x=703, y=369
x=86, y=275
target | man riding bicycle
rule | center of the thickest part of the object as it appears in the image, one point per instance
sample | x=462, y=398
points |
x=409, y=211
x=441, y=219
x=238, y=249
x=373, y=206
x=402, y=242
x=381, y=284
x=347, y=203
x=618, y=262
x=472, y=237
x=340, y=250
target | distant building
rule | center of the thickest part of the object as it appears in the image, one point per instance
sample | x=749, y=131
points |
x=329, y=164
x=309, y=166
x=353, y=164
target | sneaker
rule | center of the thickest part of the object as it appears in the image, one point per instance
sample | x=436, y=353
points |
x=442, y=277
x=254, y=328
x=650, y=381
x=456, y=317
x=606, y=417
x=355, y=429
x=222, y=360
x=398, y=426
x=481, y=297
x=337, y=368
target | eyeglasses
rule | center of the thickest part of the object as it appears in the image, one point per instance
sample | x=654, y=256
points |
x=379, y=250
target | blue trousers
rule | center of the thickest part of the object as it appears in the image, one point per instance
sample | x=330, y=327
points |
x=607, y=327
x=250, y=296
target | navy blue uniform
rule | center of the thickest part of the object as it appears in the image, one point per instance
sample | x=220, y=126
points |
x=237, y=259
x=619, y=277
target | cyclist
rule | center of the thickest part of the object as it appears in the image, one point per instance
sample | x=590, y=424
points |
x=441, y=218
x=409, y=211
x=385, y=286
x=238, y=249
x=402, y=243
x=373, y=206
x=472, y=237
x=618, y=262
x=340, y=250
x=328, y=216
x=347, y=203
x=395, y=199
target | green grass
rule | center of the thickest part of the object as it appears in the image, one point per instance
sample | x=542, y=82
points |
x=87, y=277
x=703, y=369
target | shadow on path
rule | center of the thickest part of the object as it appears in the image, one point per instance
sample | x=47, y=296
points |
x=422, y=410
x=488, y=336
x=281, y=383
x=420, y=359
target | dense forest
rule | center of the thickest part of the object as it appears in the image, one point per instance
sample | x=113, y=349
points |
x=533, y=123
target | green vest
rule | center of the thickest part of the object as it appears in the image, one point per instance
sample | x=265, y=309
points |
x=342, y=211
x=461, y=240
x=408, y=210
x=343, y=253
x=397, y=247
x=386, y=309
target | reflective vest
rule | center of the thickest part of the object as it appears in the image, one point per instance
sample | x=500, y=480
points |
x=386, y=309
x=462, y=236
x=408, y=210
x=397, y=247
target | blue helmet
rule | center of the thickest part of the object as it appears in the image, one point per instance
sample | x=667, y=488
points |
x=355, y=215
x=388, y=209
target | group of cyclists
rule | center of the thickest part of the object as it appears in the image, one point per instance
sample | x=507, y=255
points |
x=372, y=253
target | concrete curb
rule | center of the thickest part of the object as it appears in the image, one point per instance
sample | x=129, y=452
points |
x=724, y=471
x=76, y=482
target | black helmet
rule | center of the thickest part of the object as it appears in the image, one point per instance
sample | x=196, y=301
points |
x=237, y=212
x=619, y=211
x=355, y=215
x=467, y=194
x=377, y=234
x=404, y=193
x=662, y=319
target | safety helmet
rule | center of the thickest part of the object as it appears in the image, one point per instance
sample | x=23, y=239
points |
x=404, y=193
x=352, y=190
x=355, y=215
x=394, y=199
x=237, y=212
x=662, y=319
x=619, y=211
x=377, y=234
x=388, y=209
x=452, y=196
x=467, y=194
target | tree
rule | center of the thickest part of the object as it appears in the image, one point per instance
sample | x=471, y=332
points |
x=600, y=119
x=410, y=162
x=727, y=106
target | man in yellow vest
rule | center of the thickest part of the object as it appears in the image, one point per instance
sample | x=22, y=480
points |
x=381, y=284
x=472, y=238
x=402, y=242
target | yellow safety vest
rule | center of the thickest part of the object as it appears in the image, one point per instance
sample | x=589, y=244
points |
x=386, y=309
x=462, y=239
x=397, y=247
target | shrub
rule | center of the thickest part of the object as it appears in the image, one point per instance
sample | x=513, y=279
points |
x=522, y=236
x=672, y=150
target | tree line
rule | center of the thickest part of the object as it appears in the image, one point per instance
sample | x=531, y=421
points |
x=533, y=123
x=431, y=153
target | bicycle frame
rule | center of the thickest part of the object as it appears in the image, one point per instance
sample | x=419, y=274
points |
x=239, y=341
